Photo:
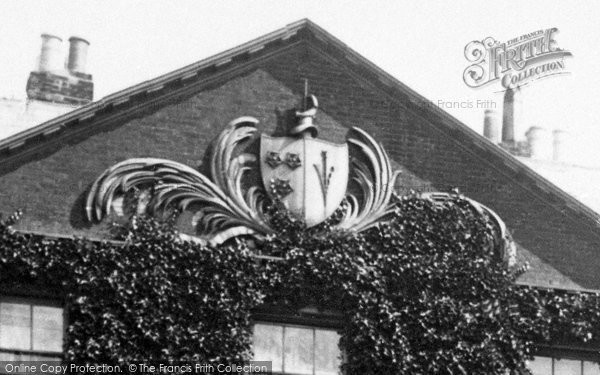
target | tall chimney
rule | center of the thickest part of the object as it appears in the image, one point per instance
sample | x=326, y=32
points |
x=77, y=54
x=558, y=140
x=491, y=125
x=53, y=83
x=51, y=57
x=539, y=143
x=511, y=114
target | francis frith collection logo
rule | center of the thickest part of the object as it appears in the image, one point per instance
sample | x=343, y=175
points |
x=516, y=62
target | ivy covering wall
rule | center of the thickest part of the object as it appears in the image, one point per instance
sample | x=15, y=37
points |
x=426, y=292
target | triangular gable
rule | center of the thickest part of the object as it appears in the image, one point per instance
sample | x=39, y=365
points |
x=48, y=168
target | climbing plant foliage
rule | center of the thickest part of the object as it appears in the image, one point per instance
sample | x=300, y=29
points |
x=425, y=293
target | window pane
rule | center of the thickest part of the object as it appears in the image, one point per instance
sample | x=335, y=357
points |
x=45, y=358
x=591, y=368
x=20, y=357
x=14, y=357
x=298, y=350
x=15, y=326
x=541, y=366
x=268, y=344
x=327, y=352
x=567, y=367
x=47, y=328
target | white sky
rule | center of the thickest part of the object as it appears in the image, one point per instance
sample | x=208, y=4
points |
x=419, y=42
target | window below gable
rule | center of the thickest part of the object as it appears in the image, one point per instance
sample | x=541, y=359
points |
x=30, y=330
x=563, y=366
x=296, y=349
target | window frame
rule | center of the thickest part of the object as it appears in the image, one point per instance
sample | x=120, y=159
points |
x=568, y=352
x=307, y=317
x=32, y=302
x=313, y=328
x=576, y=352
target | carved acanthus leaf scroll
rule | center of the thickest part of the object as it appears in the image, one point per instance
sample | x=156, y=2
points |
x=371, y=172
x=223, y=208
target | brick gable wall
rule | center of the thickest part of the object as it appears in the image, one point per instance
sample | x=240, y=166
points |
x=433, y=151
x=50, y=185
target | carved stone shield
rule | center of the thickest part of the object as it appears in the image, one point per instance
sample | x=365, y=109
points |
x=309, y=175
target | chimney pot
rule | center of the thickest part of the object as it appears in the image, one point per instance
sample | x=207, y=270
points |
x=539, y=143
x=559, y=138
x=511, y=114
x=491, y=125
x=77, y=54
x=51, y=57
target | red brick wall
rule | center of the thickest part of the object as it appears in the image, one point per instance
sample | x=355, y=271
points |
x=420, y=142
x=50, y=186
x=75, y=89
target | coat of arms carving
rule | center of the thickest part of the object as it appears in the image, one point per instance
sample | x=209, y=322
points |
x=310, y=176
x=312, y=182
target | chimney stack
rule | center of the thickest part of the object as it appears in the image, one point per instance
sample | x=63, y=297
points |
x=54, y=83
x=539, y=143
x=558, y=140
x=51, y=57
x=511, y=114
x=77, y=54
x=491, y=126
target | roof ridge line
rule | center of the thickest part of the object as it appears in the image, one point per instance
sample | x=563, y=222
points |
x=454, y=123
x=89, y=110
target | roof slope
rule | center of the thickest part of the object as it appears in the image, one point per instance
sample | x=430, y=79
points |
x=193, y=71
x=175, y=116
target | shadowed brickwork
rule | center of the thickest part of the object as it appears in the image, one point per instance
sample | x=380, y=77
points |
x=49, y=184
